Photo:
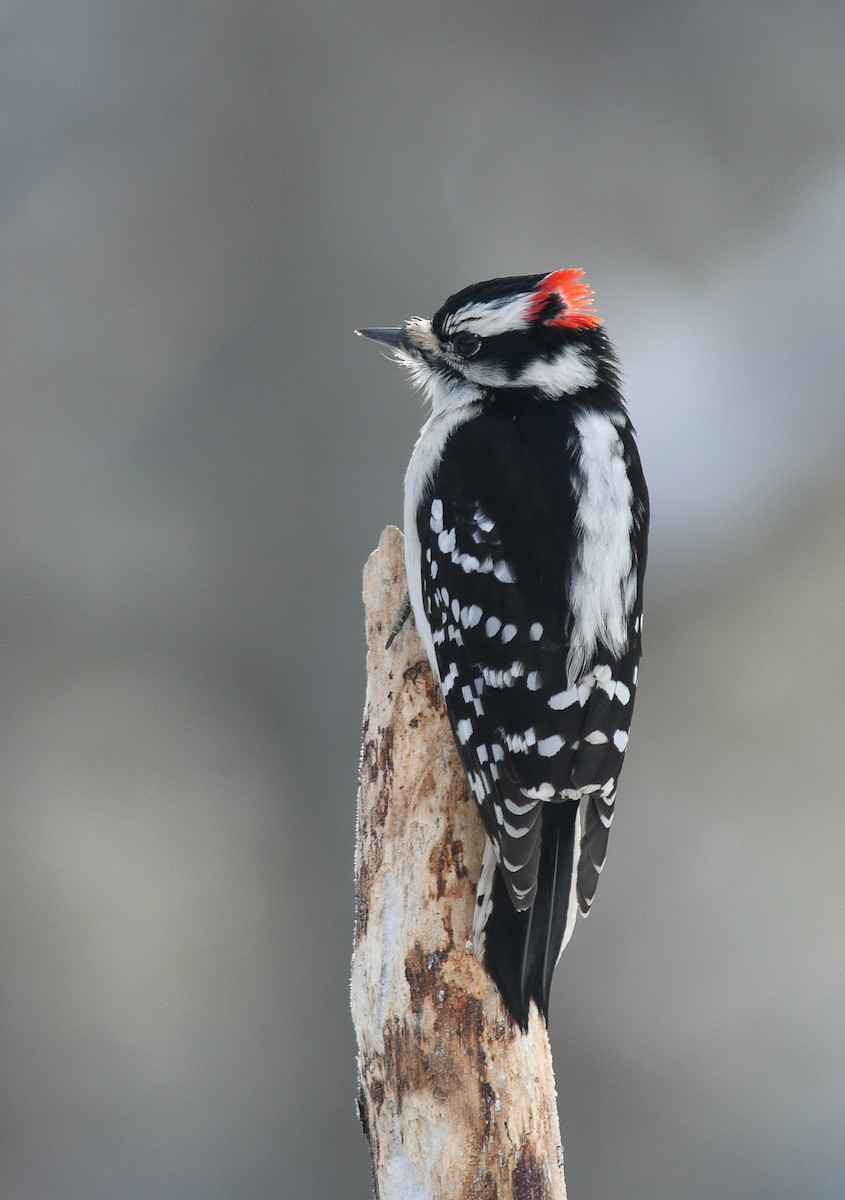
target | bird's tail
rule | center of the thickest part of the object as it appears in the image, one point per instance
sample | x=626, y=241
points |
x=520, y=949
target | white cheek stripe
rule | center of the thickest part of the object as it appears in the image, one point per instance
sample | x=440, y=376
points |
x=565, y=374
x=601, y=594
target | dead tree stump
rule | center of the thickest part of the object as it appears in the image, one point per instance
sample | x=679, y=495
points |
x=456, y=1102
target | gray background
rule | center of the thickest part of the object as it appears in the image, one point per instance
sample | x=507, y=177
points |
x=198, y=203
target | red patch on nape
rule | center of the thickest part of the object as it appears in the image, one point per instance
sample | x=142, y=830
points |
x=567, y=300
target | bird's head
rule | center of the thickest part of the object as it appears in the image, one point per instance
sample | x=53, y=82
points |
x=536, y=332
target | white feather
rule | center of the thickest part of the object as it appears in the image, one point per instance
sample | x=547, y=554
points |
x=567, y=373
x=484, y=900
x=601, y=594
x=490, y=317
x=572, y=911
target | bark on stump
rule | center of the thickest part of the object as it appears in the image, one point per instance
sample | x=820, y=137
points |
x=456, y=1102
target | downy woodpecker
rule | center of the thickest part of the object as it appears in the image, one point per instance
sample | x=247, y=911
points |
x=526, y=521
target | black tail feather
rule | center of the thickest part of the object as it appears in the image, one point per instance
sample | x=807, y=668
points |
x=521, y=948
x=550, y=950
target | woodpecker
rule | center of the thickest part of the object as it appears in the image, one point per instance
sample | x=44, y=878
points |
x=526, y=524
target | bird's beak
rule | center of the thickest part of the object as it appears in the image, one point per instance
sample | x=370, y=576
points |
x=393, y=338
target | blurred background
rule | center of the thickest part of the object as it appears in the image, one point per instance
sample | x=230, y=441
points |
x=199, y=202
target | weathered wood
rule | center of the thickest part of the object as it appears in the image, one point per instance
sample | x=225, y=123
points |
x=456, y=1102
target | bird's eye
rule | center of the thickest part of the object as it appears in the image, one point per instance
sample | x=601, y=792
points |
x=466, y=344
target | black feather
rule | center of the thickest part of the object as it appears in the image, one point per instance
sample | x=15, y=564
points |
x=522, y=948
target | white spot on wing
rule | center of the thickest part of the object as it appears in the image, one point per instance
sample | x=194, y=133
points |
x=471, y=616
x=449, y=678
x=518, y=743
x=446, y=541
x=469, y=563
x=477, y=785
x=503, y=677
x=584, y=688
x=550, y=746
x=464, y=731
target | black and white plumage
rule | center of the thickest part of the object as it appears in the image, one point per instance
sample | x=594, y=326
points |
x=526, y=521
